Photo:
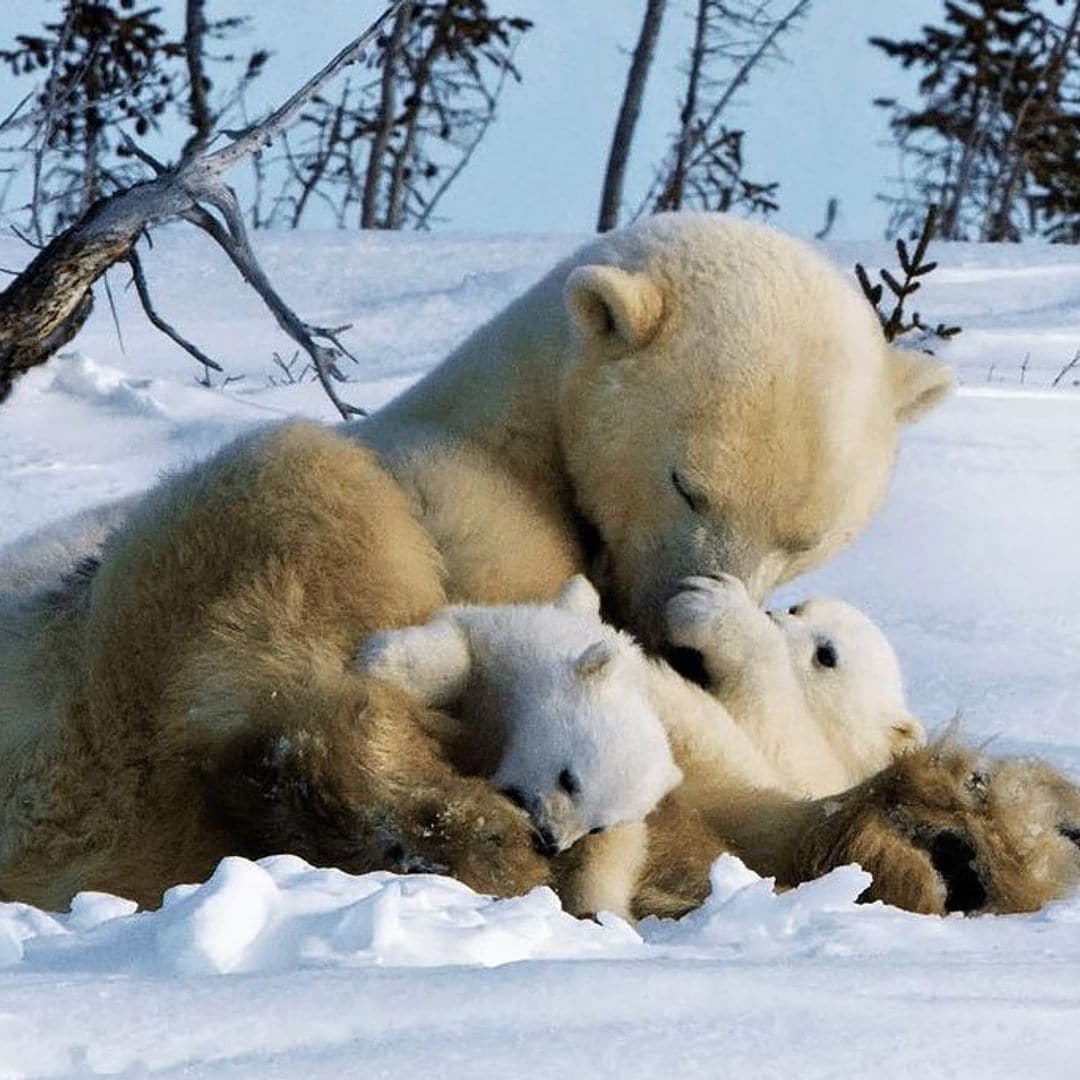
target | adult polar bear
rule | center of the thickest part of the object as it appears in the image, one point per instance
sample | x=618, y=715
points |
x=693, y=395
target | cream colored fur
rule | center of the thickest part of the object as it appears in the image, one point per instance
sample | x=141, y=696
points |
x=780, y=410
x=550, y=690
x=817, y=688
x=693, y=395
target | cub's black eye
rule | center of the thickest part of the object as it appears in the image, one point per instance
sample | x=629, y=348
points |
x=597, y=831
x=795, y=609
x=569, y=782
x=688, y=497
x=825, y=654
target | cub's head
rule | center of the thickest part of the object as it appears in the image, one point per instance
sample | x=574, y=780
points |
x=851, y=681
x=566, y=698
x=730, y=405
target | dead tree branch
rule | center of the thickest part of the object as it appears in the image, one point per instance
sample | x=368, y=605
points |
x=138, y=278
x=1072, y=365
x=43, y=308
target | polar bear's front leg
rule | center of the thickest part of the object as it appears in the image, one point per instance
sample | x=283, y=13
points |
x=430, y=663
x=601, y=872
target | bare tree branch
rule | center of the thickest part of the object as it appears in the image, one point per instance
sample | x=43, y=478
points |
x=138, y=277
x=45, y=305
x=264, y=132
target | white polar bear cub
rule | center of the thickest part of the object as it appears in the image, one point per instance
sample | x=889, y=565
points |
x=557, y=702
x=589, y=736
x=817, y=688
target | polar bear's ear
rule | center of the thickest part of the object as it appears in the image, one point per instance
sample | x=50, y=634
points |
x=919, y=383
x=606, y=300
x=595, y=660
x=579, y=595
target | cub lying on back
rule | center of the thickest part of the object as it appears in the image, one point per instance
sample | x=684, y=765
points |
x=576, y=737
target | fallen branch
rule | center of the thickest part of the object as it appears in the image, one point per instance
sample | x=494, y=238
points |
x=44, y=307
x=143, y=291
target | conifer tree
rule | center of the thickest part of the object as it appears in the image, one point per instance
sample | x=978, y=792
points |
x=995, y=139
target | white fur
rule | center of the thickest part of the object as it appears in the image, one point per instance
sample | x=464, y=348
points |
x=560, y=690
x=823, y=728
x=556, y=693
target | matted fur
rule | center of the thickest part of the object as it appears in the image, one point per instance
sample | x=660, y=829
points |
x=944, y=828
x=220, y=626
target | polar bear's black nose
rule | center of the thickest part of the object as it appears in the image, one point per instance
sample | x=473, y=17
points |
x=545, y=843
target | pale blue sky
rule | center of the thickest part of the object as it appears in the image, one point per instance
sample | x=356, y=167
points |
x=811, y=123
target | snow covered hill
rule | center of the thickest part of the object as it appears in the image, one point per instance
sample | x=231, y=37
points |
x=276, y=969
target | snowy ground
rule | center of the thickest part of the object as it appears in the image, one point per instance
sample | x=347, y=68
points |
x=280, y=970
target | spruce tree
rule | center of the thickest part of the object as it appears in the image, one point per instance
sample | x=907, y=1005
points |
x=995, y=139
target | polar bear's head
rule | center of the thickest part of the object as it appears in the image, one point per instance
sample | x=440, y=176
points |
x=851, y=681
x=730, y=405
x=560, y=698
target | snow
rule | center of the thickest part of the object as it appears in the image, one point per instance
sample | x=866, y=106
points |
x=280, y=969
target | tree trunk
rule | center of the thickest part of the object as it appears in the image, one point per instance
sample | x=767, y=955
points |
x=672, y=197
x=628, y=115
x=1014, y=154
x=369, y=207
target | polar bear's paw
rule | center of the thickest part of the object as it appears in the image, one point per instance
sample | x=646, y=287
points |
x=946, y=829
x=481, y=838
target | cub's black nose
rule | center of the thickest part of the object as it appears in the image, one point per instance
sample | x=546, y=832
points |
x=516, y=796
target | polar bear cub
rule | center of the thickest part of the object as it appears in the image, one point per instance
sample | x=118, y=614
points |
x=557, y=704
x=589, y=736
x=817, y=688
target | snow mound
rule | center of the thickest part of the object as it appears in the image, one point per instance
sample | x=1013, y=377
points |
x=84, y=378
x=282, y=914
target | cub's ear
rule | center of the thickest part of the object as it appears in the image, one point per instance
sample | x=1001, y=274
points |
x=430, y=663
x=605, y=301
x=579, y=595
x=919, y=383
x=595, y=660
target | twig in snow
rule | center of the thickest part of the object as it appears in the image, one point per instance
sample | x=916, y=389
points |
x=1070, y=366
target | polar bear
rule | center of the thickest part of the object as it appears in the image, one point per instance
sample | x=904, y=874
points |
x=556, y=706
x=817, y=687
x=562, y=701
x=693, y=395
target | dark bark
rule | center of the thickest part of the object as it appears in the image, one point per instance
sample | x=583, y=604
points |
x=369, y=208
x=630, y=110
x=46, y=304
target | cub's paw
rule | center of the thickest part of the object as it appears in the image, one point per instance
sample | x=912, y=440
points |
x=715, y=619
x=945, y=829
